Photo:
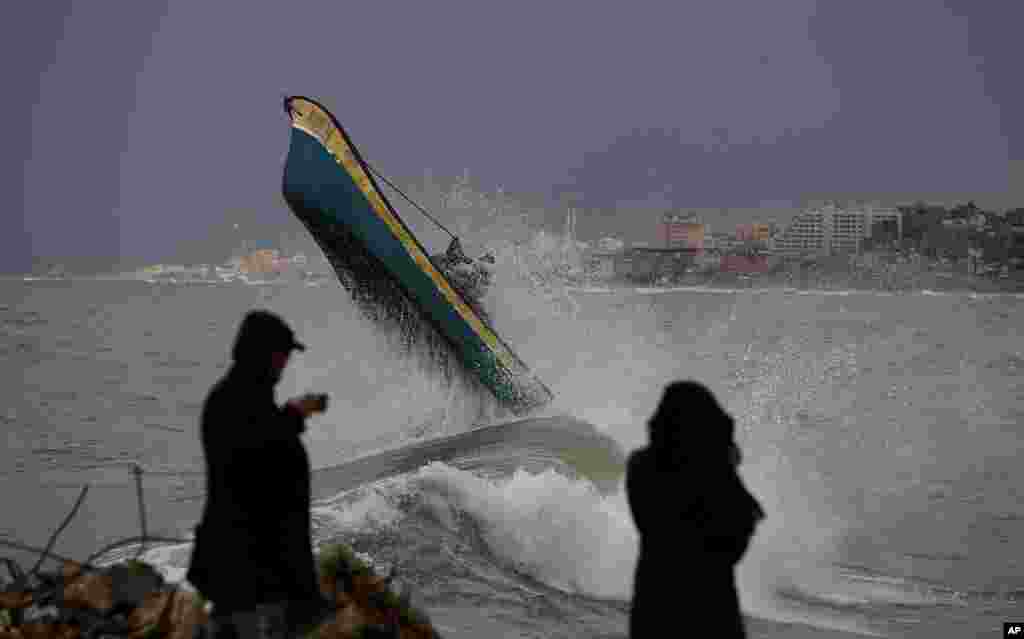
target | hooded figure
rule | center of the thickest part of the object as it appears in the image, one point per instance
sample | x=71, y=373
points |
x=252, y=547
x=694, y=516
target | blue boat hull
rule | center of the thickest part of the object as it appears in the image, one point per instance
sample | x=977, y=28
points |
x=329, y=188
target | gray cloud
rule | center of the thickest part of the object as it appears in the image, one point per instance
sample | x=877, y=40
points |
x=150, y=124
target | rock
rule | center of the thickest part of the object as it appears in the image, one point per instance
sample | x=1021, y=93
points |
x=41, y=631
x=41, y=614
x=132, y=581
x=174, y=614
x=86, y=589
x=15, y=600
x=132, y=601
x=366, y=606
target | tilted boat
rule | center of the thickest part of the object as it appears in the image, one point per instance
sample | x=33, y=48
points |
x=331, y=189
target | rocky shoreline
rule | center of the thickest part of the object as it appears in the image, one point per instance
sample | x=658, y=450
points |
x=131, y=600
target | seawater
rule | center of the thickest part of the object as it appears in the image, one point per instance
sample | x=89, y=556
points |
x=882, y=434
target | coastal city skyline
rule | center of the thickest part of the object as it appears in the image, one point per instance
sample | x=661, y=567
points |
x=852, y=244
x=239, y=234
x=120, y=158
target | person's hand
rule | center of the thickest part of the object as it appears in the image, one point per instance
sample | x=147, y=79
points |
x=309, y=404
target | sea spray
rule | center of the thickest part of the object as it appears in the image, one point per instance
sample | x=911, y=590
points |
x=377, y=396
x=554, y=529
x=608, y=365
x=544, y=526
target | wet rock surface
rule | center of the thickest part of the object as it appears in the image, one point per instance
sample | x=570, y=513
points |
x=132, y=600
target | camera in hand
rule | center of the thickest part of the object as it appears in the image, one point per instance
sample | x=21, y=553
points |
x=321, y=401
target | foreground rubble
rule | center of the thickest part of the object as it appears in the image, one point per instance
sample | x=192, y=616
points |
x=132, y=600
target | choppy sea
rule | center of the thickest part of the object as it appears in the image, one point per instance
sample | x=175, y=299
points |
x=882, y=433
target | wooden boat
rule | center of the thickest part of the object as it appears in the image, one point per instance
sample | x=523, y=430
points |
x=330, y=188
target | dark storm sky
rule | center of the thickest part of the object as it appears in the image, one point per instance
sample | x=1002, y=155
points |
x=130, y=129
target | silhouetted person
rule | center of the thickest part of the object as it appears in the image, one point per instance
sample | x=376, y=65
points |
x=694, y=516
x=253, y=556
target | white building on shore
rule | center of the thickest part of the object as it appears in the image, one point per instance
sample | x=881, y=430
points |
x=832, y=230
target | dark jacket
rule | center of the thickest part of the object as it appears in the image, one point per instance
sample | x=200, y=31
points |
x=253, y=543
x=695, y=524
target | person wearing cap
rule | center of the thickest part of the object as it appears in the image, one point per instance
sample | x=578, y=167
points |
x=252, y=555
